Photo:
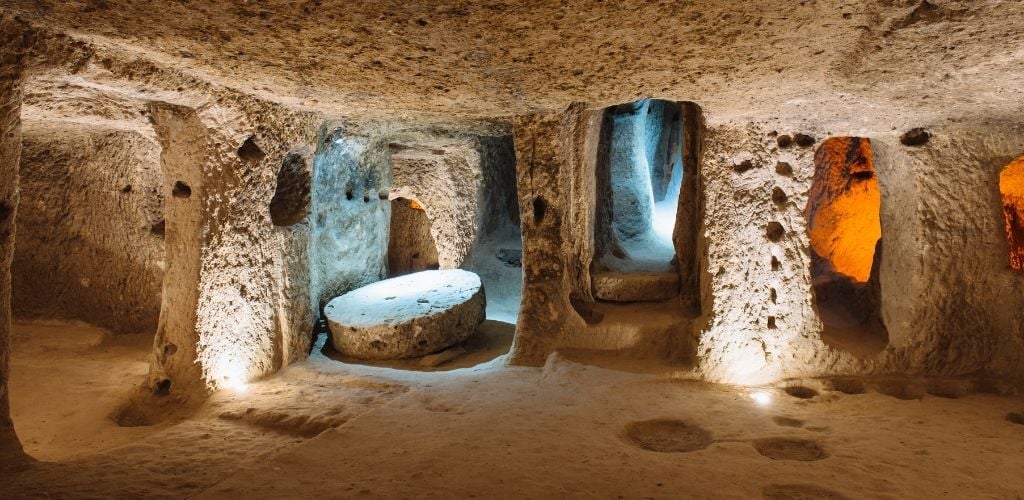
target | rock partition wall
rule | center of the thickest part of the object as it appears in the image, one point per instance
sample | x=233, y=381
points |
x=91, y=227
x=236, y=295
x=350, y=212
x=12, y=45
x=959, y=305
x=758, y=323
x=444, y=177
x=949, y=299
x=544, y=145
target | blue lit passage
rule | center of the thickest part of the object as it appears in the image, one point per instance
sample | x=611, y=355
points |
x=645, y=171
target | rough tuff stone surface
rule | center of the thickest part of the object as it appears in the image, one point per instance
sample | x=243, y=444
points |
x=91, y=222
x=408, y=316
x=11, y=74
x=236, y=297
x=636, y=286
x=410, y=244
x=445, y=179
x=290, y=204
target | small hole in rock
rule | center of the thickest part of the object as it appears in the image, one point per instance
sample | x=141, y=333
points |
x=771, y=322
x=848, y=385
x=348, y=194
x=127, y=189
x=667, y=436
x=788, y=421
x=162, y=388
x=181, y=190
x=778, y=195
x=1016, y=418
x=804, y=140
x=540, y=207
x=158, y=228
x=801, y=450
x=915, y=137
x=250, y=151
x=775, y=231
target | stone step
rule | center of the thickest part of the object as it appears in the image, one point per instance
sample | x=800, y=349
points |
x=635, y=286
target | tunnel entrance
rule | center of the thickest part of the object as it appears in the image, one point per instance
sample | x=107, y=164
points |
x=411, y=247
x=844, y=228
x=639, y=178
x=1011, y=192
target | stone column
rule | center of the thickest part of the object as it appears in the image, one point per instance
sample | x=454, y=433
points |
x=12, y=45
x=234, y=306
x=543, y=211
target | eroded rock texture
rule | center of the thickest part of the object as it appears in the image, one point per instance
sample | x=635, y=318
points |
x=234, y=305
x=91, y=242
x=279, y=162
x=12, y=44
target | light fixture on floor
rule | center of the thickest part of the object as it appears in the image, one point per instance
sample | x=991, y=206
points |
x=761, y=398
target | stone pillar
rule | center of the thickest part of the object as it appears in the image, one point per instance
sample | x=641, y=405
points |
x=543, y=210
x=235, y=307
x=12, y=45
x=183, y=139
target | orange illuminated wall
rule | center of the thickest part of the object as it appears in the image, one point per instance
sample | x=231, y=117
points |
x=1011, y=190
x=843, y=207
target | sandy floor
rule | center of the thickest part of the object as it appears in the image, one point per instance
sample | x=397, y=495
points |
x=330, y=429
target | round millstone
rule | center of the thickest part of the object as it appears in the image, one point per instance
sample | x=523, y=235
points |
x=408, y=316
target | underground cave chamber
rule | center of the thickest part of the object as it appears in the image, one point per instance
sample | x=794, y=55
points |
x=844, y=229
x=634, y=299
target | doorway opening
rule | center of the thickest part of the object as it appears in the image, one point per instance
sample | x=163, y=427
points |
x=844, y=228
x=1011, y=192
x=411, y=247
x=640, y=176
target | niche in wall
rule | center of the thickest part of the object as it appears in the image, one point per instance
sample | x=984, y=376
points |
x=844, y=228
x=411, y=247
x=639, y=192
x=1011, y=193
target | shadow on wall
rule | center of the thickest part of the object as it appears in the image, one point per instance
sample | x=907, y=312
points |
x=844, y=228
x=1011, y=191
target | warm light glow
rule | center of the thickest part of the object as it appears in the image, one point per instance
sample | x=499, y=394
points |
x=235, y=385
x=762, y=398
x=1011, y=190
x=843, y=209
x=415, y=205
